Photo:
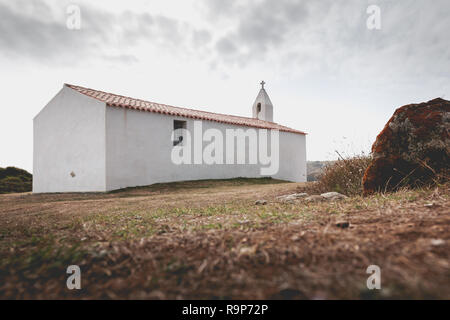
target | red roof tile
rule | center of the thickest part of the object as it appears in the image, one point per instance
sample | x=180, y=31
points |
x=114, y=100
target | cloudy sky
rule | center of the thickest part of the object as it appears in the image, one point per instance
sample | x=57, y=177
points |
x=327, y=73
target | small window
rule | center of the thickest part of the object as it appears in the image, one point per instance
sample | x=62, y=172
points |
x=258, y=108
x=177, y=132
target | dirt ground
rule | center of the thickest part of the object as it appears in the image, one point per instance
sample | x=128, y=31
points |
x=208, y=240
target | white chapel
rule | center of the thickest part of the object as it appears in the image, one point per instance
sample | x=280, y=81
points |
x=88, y=140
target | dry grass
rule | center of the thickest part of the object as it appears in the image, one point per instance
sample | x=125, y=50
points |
x=207, y=239
x=343, y=176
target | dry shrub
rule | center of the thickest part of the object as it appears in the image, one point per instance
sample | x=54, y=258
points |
x=344, y=176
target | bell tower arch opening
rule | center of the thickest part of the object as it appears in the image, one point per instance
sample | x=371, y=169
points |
x=262, y=107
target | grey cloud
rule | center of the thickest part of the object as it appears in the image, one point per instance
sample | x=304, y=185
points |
x=219, y=8
x=259, y=26
x=169, y=29
x=35, y=30
x=312, y=36
x=201, y=37
x=267, y=24
x=32, y=30
x=332, y=36
x=226, y=46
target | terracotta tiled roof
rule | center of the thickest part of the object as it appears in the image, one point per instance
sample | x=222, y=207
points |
x=114, y=100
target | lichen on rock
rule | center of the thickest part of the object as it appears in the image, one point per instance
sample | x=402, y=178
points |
x=412, y=149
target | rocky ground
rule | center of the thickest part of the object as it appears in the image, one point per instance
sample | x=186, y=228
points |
x=211, y=239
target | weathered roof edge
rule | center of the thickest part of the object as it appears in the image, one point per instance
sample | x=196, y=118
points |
x=115, y=100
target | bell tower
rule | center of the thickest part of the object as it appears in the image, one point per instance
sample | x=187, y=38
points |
x=263, y=108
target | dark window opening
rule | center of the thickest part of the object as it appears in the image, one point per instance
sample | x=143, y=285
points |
x=178, y=131
x=258, y=108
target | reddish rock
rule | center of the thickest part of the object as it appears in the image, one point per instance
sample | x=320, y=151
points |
x=412, y=147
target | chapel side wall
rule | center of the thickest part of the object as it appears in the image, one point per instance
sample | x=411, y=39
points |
x=292, y=157
x=139, y=147
x=69, y=137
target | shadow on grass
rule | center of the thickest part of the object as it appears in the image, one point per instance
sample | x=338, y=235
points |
x=157, y=188
x=196, y=184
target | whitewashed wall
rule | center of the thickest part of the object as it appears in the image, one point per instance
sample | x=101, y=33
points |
x=111, y=148
x=138, y=152
x=69, y=136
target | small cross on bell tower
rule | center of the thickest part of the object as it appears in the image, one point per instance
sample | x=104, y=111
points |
x=262, y=84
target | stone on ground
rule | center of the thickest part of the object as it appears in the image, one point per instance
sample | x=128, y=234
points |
x=260, y=202
x=412, y=148
x=292, y=197
x=333, y=195
x=314, y=198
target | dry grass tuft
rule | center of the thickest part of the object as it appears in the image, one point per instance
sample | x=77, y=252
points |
x=343, y=176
